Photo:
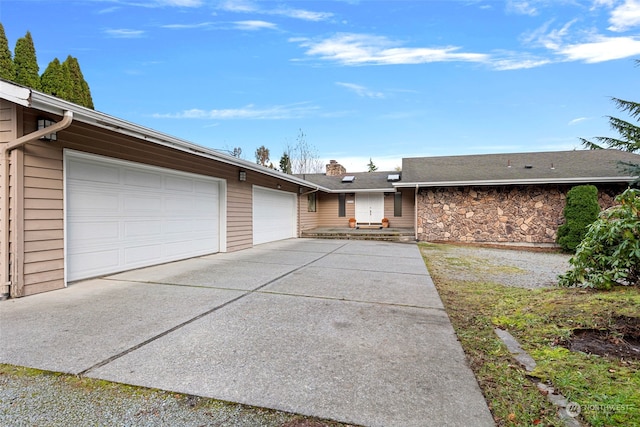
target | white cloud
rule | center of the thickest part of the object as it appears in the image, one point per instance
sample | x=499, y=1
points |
x=625, y=16
x=255, y=25
x=577, y=120
x=123, y=33
x=363, y=49
x=277, y=112
x=361, y=90
x=601, y=49
x=518, y=63
x=521, y=7
x=245, y=6
x=180, y=3
x=550, y=39
x=188, y=26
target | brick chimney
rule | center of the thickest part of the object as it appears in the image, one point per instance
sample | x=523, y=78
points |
x=335, y=169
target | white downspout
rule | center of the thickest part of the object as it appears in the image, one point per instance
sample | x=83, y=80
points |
x=5, y=151
x=415, y=214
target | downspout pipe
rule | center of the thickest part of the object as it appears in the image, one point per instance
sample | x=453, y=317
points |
x=299, y=233
x=5, y=151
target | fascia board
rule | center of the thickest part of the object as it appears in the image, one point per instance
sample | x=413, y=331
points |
x=577, y=180
x=363, y=190
x=16, y=94
x=53, y=105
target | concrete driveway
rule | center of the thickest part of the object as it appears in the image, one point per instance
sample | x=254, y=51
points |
x=346, y=330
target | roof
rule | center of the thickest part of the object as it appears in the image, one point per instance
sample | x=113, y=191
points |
x=555, y=167
x=363, y=181
x=50, y=104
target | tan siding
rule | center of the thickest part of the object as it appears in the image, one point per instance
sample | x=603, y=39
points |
x=239, y=216
x=43, y=214
x=307, y=220
x=407, y=220
x=8, y=129
x=46, y=286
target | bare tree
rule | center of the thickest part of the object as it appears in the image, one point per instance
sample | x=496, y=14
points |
x=304, y=157
x=262, y=156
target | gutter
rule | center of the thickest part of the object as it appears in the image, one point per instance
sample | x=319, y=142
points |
x=528, y=181
x=5, y=152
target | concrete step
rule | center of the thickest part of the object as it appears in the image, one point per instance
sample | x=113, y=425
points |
x=362, y=234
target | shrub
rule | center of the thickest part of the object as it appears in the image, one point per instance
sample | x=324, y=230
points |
x=609, y=255
x=580, y=211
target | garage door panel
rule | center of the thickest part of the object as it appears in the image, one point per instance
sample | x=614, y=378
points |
x=93, y=172
x=84, y=232
x=177, y=184
x=142, y=255
x=139, y=203
x=274, y=215
x=98, y=260
x=136, y=178
x=147, y=216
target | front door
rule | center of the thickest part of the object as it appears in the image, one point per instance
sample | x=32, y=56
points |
x=369, y=208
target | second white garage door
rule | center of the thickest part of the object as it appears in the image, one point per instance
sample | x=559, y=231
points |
x=274, y=215
x=123, y=215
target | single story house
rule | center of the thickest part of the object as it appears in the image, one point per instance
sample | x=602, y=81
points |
x=84, y=194
x=515, y=199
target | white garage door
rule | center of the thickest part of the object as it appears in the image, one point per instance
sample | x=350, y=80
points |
x=274, y=215
x=123, y=215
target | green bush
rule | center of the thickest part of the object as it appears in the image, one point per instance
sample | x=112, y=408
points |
x=609, y=255
x=580, y=211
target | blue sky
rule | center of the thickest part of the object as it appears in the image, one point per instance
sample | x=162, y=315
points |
x=362, y=79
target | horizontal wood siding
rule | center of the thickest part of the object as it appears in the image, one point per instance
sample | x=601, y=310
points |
x=407, y=220
x=328, y=210
x=43, y=204
x=8, y=126
x=42, y=217
x=239, y=215
x=307, y=220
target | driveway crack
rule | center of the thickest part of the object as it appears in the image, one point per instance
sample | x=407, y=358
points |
x=201, y=315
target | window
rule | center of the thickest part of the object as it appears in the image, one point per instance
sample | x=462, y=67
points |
x=397, y=204
x=342, y=205
x=311, y=202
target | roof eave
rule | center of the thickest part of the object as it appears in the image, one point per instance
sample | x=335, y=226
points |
x=528, y=181
x=50, y=104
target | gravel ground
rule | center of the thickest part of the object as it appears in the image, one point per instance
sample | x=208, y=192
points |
x=32, y=398
x=521, y=268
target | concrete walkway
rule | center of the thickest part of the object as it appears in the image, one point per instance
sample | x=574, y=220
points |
x=352, y=331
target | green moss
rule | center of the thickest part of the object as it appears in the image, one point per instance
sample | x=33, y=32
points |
x=609, y=390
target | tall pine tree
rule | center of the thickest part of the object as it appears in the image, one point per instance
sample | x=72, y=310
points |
x=79, y=89
x=629, y=133
x=7, y=70
x=56, y=80
x=26, y=64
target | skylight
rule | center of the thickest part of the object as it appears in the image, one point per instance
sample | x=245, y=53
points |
x=393, y=177
x=348, y=178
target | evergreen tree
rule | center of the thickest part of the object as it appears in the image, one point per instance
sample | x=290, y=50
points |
x=56, y=80
x=79, y=91
x=629, y=133
x=26, y=64
x=371, y=166
x=7, y=70
x=285, y=163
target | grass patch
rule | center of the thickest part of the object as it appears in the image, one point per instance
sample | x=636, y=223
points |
x=608, y=389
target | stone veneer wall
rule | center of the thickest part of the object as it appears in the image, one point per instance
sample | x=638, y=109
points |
x=507, y=214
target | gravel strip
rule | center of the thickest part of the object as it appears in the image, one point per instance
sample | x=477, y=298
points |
x=520, y=268
x=34, y=398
